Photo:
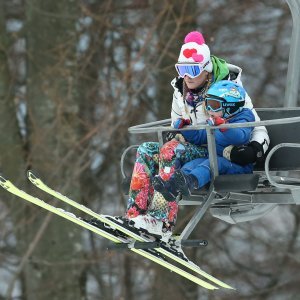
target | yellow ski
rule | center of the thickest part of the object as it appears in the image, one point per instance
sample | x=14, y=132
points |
x=10, y=187
x=185, y=262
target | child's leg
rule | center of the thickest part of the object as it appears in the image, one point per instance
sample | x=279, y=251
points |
x=141, y=190
x=200, y=168
x=192, y=165
x=227, y=167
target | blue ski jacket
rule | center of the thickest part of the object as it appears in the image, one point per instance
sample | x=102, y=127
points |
x=232, y=136
x=200, y=168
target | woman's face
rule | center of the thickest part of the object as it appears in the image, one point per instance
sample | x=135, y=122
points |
x=199, y=81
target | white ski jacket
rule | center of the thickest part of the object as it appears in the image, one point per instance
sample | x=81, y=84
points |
x=181, y=109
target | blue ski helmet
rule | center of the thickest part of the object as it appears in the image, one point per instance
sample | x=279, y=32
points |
x=227, y=96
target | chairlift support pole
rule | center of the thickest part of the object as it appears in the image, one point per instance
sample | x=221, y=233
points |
x=293, y=74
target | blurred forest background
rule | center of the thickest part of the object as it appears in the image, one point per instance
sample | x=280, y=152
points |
x=74, y=75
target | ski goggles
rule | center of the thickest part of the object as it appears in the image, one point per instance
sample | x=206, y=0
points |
x=214, y=104
x=191, y=70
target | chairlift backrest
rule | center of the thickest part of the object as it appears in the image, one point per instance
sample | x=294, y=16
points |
x=284, y=158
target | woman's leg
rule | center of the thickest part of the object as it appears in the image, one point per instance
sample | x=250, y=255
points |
x=172, y=156
x=141, y=190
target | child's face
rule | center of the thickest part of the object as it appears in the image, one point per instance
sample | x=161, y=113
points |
x=214, y=114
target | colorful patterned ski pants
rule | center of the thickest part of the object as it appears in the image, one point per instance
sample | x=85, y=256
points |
x=150, y=161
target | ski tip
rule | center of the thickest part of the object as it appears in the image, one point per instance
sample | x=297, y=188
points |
x=33, y=176
x=226, y=286
x=2, y=179
x=4, y=183
x=30, y=174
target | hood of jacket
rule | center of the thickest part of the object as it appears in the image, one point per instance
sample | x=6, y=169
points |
x=220, y=68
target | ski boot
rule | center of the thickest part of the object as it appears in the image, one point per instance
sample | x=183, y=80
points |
x=179, y=182
x=152, y=226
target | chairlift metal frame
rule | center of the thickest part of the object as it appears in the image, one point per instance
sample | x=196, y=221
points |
x=271, y=190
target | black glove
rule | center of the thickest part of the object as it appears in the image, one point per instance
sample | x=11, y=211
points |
x=169, y=136
x=248, y=154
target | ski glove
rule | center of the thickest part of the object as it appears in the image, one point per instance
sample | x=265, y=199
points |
x=180, y=123
x=245, y=154
x=215, y=121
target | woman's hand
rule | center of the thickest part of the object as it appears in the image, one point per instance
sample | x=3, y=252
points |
x=180, y=123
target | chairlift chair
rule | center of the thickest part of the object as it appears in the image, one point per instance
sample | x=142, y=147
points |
x=243, y=197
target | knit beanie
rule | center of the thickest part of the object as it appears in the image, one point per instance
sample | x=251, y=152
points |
x=194, y=50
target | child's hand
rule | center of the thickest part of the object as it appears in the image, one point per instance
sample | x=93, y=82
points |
x=179, y=123
x=215, y=121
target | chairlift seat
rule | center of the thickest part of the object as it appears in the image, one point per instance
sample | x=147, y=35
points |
x=236, y=183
